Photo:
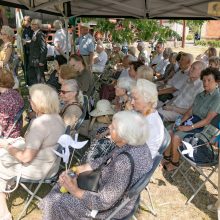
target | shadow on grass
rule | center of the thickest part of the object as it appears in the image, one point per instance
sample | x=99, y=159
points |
x=202, y=199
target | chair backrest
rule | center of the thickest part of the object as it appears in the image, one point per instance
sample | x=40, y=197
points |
x=143, y=182
x=166, y=141
x=82, y=117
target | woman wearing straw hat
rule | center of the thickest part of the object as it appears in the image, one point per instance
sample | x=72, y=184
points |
x=101, y=117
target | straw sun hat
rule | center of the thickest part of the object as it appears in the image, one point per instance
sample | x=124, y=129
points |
x=103, y=107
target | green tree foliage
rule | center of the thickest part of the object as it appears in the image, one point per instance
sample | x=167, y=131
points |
x=130, y=30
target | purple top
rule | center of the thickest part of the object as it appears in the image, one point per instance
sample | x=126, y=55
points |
x=10, y=103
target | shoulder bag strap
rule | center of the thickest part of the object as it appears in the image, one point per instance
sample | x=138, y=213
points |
x=129, y=184
x=66, y=107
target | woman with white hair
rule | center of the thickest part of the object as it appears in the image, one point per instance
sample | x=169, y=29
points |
x=122, y=91
x=129, y=131
x=33, y=157
x=144, y=100
x=73, y=99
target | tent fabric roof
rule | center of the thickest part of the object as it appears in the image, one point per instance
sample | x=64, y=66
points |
x=191, y=9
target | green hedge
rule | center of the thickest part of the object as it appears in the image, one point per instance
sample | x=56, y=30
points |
x=189, y=37
x=208, y=43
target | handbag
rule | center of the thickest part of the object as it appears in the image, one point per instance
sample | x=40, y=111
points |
x=89, y=180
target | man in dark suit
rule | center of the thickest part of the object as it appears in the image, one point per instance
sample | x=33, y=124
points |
x=38, y=53
x=27, y=34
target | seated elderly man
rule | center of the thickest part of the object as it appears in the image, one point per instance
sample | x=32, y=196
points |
x=159, y=54
x=100, y=60
x=161, y=66
x=184, y=100
x=143, y=54
x=178, y=80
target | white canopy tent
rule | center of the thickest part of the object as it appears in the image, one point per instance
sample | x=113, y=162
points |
x=153, y=9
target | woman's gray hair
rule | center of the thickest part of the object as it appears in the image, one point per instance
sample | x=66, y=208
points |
x=131, y=127
x=125, y=83
x=147, y=91
x=8, y=31
x=57, y=24
x=73, y=86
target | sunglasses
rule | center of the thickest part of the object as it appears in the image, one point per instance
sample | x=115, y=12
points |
x=64, y=92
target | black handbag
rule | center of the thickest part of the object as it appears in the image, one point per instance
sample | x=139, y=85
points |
x=89, y=180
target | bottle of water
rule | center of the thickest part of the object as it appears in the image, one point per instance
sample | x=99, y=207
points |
x=178, y=121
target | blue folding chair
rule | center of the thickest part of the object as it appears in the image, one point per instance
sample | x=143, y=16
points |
x=135, y=190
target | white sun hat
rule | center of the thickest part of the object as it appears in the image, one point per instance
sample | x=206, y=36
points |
x=103, y=107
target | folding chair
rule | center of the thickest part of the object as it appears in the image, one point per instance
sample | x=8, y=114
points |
x=199, y=165
x=43, y=180
x=164, y=145
x=135, y=190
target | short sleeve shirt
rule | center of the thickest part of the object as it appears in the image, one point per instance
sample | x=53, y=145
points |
x=206, y=102
x=86, y=45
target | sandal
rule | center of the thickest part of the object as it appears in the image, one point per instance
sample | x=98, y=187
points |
x=171, y=166
x=166, y=159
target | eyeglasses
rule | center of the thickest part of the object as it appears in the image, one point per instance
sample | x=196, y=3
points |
x=2, y=33
x=64, y=92
x=33, y=24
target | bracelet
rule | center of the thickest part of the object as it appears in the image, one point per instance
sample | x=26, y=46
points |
x=192, y=126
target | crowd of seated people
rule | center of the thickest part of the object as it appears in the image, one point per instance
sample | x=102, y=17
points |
x=146, y=94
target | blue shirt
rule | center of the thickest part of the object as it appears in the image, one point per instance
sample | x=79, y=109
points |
x=86, y=44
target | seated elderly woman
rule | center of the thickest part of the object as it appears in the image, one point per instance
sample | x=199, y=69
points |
x=72, y=99
x=206, y=106
x=122, y=91
x=10, y=103
x=101, y=118
x=129, y=132
x=33, y=157
x=144, y=98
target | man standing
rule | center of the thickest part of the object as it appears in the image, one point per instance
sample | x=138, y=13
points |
x=59, y=41
x=86, y=45
x=100, y=60
x=27, y=34
x=38, y=53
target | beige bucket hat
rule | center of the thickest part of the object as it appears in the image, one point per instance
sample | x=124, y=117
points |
x=85, y=25
x=103, y=107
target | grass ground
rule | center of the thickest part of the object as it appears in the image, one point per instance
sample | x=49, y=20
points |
x=169, y=196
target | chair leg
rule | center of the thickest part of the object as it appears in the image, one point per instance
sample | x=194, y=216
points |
x=177, y=170
x=196, y=192
x=33, y=195
x=151, y=207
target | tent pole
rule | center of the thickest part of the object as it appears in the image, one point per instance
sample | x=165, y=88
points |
x=67, y=38
x=184, y=33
